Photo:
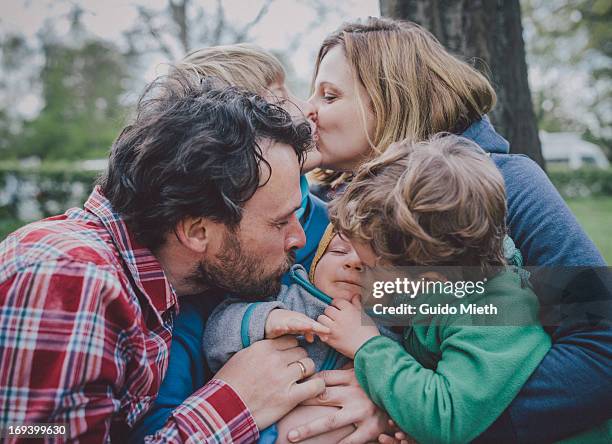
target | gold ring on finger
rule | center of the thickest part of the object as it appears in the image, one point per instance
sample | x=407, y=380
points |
x=302, y=368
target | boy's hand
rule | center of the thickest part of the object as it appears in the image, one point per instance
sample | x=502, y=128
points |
x=282, y=322
x=395, y=436
x=350, y=327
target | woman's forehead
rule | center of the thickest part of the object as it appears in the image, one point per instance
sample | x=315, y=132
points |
x=335, y=69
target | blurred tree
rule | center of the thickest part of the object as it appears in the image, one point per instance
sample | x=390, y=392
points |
x=183, y=25
x=75, y=100
x=82, y=87
x=573, y=49
x=490, y=33
x=6, y=136
x=14, y=83
x=82, y=81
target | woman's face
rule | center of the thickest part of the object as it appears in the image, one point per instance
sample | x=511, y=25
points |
x=339, y=101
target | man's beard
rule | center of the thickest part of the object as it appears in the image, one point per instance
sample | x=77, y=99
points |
x=238, y=272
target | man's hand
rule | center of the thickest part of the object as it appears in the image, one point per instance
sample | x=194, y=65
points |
x=350, y=327
x=265, y=376
x=286, y=322
x=342, y=390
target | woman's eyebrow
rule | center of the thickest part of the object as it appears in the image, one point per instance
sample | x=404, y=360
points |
x=327, y=83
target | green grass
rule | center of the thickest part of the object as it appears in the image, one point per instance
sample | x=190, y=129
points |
x=595, y=216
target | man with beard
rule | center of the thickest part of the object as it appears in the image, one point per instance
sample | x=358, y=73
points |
x=240, y=271
x=199, y=198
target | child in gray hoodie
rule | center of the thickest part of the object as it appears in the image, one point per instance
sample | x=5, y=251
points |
x=335, y=273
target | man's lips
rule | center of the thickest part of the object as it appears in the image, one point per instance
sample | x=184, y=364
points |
x=314, y=131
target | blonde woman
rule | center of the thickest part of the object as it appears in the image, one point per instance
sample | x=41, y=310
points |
x=380, y=81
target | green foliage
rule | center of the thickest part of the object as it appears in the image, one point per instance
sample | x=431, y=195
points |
x=583, y=182
x=14, y=50
x=8, y=225
x=57, y=185
x=568, y=40
x=5, y=131
x=82, y=87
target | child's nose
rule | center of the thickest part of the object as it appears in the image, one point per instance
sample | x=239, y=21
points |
x=353, y=262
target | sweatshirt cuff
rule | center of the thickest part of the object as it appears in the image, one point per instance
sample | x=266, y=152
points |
x=256, y=320
x=216, y=405
x=366, y=345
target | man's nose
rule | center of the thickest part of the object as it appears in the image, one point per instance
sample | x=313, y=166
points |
x=296, y=238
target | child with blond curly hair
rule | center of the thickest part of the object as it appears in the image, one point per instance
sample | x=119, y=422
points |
x=438, y=203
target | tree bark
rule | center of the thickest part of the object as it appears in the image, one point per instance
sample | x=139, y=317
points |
x=489, y=34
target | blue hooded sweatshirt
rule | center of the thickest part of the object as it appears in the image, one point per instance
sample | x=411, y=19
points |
x=569, y=392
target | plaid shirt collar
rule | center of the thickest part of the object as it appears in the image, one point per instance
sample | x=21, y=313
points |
x=144, y=268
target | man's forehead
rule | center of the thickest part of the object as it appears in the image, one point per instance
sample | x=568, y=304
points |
x=265, y=169
x=274, y=205
x=279, y=188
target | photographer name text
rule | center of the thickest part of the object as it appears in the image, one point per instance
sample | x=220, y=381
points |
x=438, y=309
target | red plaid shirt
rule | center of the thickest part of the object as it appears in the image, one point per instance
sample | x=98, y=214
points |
x=85, y=331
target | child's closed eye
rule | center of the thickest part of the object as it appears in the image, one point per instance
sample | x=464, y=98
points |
x=338, y=251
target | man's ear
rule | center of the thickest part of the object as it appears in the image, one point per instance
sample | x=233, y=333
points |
x=194, y=233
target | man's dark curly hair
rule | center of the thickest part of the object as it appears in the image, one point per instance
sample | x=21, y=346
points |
x=193, y=150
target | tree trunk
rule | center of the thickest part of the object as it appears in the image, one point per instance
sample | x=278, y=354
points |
x=488, y=33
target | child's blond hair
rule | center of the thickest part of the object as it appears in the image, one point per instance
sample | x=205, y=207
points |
x=439, y=202
x=244, y=65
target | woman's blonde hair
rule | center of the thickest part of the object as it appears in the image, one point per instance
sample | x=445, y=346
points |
x=433, y=203
x=416, y=88
x=244, y=65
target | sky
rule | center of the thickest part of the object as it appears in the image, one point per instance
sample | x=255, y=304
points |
x=109, y=18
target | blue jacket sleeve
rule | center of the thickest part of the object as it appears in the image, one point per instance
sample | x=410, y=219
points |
x=571, y=390
x=186, y=372
x=540, y=223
